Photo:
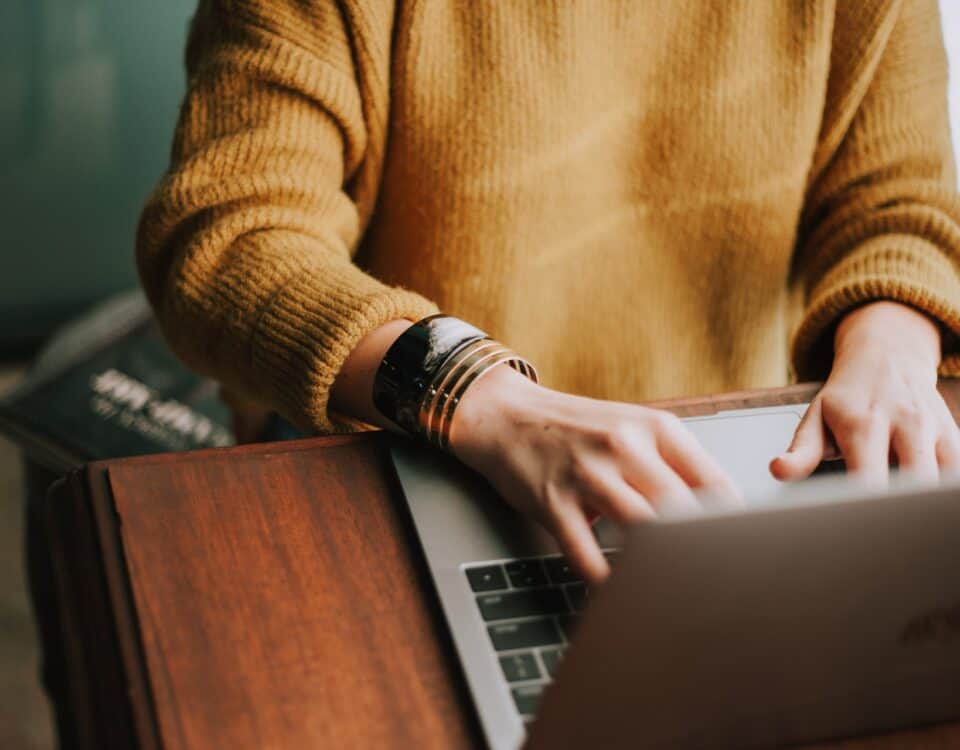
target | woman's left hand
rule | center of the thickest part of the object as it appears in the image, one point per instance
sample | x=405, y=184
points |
x=880, y=402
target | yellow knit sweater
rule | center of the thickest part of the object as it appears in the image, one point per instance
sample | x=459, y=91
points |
x=646, y=199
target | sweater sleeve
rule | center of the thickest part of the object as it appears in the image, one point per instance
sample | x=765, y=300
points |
x=882, y=215
x=245, y=249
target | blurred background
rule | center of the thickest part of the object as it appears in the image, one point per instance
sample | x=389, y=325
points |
x=89, y=91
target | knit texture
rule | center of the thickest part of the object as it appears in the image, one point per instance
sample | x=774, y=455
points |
x=647, y=199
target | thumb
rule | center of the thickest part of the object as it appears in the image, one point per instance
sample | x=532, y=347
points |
x=806, y=450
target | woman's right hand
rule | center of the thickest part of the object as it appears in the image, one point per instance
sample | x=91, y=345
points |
x=566, y=460
x=563, y=460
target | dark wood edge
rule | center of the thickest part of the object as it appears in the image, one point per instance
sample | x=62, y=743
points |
x=55, y=520
x=125, y=619
x=108, y=691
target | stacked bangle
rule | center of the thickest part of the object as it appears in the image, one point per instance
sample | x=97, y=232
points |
x=429, y=368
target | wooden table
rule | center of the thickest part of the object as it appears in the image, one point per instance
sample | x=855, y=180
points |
x=273, y=596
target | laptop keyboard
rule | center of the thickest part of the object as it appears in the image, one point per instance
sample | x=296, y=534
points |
x=530, y=608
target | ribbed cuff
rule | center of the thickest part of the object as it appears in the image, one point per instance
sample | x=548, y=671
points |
x=310, y=327
x=903, y=268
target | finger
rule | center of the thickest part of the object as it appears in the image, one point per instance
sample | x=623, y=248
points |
x=604, y=489
x=575, y=536
x=665, y=491
x=865, y=446
x=948, y=447
x=612, y=496
x=807, y=449
x=916, y=450
x=697, y=468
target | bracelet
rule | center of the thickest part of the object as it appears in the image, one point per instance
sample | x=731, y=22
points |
x=427, y=370
x=474, y=361
x=411, y=363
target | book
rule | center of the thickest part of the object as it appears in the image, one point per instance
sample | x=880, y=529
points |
x=108, y=386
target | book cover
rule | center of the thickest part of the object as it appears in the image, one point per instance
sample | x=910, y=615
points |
x=108, y=386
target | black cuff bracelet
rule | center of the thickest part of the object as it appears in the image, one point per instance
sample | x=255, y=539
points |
x=412, y=363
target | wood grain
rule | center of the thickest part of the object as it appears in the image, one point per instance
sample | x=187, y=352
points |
x=274, y=596
x=280, y=605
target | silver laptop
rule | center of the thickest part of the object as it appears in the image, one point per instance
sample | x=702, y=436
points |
x=708, y=632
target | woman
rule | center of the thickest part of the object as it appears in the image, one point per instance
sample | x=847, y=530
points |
x=645, y=199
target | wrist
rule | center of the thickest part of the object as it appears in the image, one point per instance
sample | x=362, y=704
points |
x=424, y=376
x=887, y=325
x=488, y=409
x=352, y=391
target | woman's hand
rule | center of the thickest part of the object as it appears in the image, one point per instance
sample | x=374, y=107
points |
x=565, y=460
x=562, y=459
x=880, y=401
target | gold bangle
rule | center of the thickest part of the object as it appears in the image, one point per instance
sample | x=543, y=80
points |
x=446, y=419
x=466, y=372
x=437, y=409
x=438, y=390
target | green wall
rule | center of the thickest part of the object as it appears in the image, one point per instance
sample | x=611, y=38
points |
x=89, y=91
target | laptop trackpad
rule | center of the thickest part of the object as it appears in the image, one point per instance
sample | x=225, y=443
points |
x=744, y=443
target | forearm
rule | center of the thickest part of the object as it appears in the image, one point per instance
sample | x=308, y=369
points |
x=881, y=216
x=245, y=248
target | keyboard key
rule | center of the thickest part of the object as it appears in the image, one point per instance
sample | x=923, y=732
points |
x=568, y=624
x=528, y=603
x=518, y=667
x=527, y=697
x=526, y=574
x=577, y=594
x=528, y=634
x=559, y=570
x=489, y=578
x=551, y=659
